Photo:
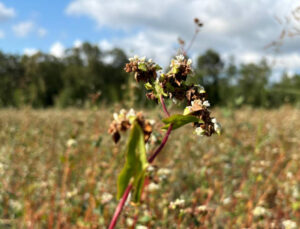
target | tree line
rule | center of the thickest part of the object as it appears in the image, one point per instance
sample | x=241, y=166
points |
x=88, y=75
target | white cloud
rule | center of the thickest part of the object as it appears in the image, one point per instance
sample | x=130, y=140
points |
x=240, y=28
x=6, y=13
x=2, y=34
x=57, y=49
x=285, y=61
x=42, y=32
x=77, y=43
x=30, y=51
x=250, y=57
x=105, y=45
x=144, y=44
x=23, y=28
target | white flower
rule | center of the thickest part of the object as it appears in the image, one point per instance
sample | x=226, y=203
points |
x=141, y=227
x=227, y=200
x=213, y=120
x=71, y=142
x=189, y=62
x=152, y=187
x=86, y=195
x=14, y=204
x=136, y=57
x=131, y=59
x=289, y=175
x=150, y=169
x=142, y=59
x=153, y=138
x=289, y=224
x=106, y=197
x=177, y=203
x=199, y=131
x=152, y=122
x=131, y=115
x=163, y=172
x=129, y=222
x=202, y=208
x=150, y=61
x=72, y=193
x=206, y=103
x=260, y=211
x=175, y=100
x=180, y=57
x=116, y=117
x=217, y=128
x=121, y=115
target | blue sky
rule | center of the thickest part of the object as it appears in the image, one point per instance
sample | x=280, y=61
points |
x=151, y=27
x=49, y=24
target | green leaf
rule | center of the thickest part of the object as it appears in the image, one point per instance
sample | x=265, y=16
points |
x=148, y=86
x=175, y=70
x=157, y=67
x=142, y=66
x=179, y=120
x=159, y=90
x=135, y=165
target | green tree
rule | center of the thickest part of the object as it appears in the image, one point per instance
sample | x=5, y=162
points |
x=208, y=71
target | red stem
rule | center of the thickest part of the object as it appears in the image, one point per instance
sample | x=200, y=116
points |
x=164, y=105
x=120, y=207
x=164, y=141
x=122, y=202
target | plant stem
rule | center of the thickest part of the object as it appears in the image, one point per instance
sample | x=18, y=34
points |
x=120, y=207
x=164, y=106
x=164, y=141
x=122, y=202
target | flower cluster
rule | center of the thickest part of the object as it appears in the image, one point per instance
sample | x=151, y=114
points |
x=199, y=107
x=173, y=85
x=173, y=82
x=144, y=70
x=124, y=120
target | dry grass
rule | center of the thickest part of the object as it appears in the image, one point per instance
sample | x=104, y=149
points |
x=46, y=184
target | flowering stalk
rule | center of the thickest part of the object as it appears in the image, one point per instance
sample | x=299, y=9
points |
x=170, y=85
x=150, y=160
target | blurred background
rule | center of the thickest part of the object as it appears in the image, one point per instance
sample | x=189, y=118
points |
x=72, y=51
x=62, y=77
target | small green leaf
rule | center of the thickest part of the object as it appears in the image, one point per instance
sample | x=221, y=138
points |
x=179, y=120
x=157, y=67
x=175, y=70
x=142, y=66
x=159, y=90
x=148, y=86
x=135, y=165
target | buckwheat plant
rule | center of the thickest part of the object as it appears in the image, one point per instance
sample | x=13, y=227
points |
x=171, y=85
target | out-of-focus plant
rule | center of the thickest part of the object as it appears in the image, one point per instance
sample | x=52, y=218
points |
x=172, y=85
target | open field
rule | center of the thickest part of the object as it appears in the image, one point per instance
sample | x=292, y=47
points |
x=249, y=177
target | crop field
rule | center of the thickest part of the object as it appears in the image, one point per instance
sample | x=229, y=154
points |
x=58, y=169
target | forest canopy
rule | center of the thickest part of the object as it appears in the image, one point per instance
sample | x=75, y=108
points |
x=84, y=76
